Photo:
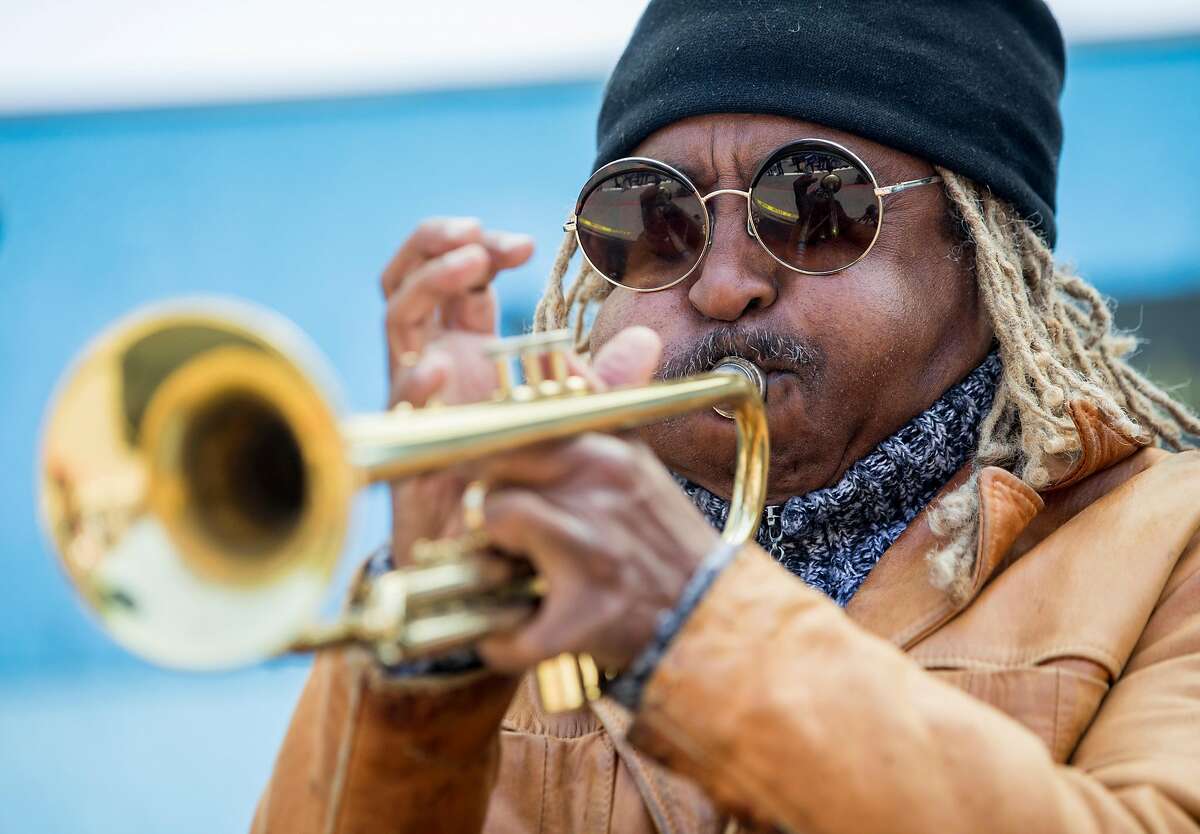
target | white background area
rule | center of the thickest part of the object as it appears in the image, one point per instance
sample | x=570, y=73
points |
x=59, y=55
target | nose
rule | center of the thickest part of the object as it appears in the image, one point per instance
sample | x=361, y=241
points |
x=732, y=280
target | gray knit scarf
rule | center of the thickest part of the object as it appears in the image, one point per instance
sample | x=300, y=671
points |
x=832, y=538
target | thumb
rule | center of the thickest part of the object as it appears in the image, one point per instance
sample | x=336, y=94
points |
x=629, y=358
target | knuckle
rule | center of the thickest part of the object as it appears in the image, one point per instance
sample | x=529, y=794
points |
x=392, y=309
x=402, y=388
x=611, y=458
x=640, y=453
x=398, y=316
x=444, y=275
x=525, y=650
x=509, y=511
x=469, y=257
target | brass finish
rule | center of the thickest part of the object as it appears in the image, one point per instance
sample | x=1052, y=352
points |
x=568, y=681
x=472, y=505
x=197, y=484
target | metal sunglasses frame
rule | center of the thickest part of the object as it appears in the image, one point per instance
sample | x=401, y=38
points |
x=632, y=162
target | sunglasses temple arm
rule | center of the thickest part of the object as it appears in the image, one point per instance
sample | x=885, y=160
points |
x=885, y=190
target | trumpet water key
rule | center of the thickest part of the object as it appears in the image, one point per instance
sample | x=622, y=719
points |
x=197, y=482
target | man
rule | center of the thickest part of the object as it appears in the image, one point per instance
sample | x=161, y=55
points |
x=998, y=627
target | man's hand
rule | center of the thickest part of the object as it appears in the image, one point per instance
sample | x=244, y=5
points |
x=604, y=524
x=441, y=309
x=599, y=516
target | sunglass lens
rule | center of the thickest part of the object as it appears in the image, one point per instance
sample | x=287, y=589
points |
x=814, y=210
x=641, y=227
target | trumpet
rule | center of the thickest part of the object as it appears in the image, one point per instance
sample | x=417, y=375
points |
x=196, y=482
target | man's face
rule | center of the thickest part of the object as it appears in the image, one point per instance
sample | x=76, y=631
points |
x=884, y=338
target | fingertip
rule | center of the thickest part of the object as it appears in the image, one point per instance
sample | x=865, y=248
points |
x=641, y=337
x=436, y=235
x=506, y=514
x=467, y=253
x=519, y=256
x=427, y=378
x=510, y=248
x=461, y=228
x=629, y=358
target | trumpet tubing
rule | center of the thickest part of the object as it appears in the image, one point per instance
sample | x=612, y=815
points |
x=197, y=482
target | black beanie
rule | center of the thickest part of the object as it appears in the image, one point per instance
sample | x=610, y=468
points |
x=972, y=85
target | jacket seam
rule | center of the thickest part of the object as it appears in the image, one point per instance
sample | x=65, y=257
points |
x=1194, y=575
x=659, y=813
x=667, y=798
x=545, y=770
x=345, y=751
x=1092, y=766
x=1033, y=660
x=509, y=727
x=666, y=822
x=1057, y=725
x=925, y=625
x=598, y=799
x=1066, y=673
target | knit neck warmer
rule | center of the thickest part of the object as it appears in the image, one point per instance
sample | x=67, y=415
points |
x=832, y=537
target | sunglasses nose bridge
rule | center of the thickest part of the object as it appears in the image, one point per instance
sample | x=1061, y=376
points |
x=704, y=198
x=743, y=194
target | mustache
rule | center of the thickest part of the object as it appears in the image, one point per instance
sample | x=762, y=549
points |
x=754, y=344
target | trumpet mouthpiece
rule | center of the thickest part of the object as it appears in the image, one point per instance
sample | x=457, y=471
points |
x=746, y=368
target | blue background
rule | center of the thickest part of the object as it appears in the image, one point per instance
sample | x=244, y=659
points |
x=298, y=206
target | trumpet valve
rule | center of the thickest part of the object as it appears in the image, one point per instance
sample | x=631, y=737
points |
x=545, y=371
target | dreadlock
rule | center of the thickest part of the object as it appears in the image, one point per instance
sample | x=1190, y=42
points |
x=1057, y=342
x=553, y=311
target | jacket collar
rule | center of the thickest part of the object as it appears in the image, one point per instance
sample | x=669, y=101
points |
x=898, y=600
x=1101, y=444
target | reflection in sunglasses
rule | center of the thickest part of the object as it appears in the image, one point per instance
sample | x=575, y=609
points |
x=634, y=179
x=813, y=206
x=606, y=231
x=775, y=210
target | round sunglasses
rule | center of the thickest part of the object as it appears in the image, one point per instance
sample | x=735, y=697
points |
x=813, y=205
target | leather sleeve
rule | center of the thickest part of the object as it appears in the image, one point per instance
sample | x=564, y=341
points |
x=365, y=753
x=789, y=714
x=1142, y=753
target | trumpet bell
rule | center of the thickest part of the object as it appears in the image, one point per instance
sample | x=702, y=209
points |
x=194, y=483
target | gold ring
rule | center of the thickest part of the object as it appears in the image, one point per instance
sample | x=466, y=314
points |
x=408, y=359
x=473, y=499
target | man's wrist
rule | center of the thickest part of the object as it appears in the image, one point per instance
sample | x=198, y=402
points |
x=627, y=688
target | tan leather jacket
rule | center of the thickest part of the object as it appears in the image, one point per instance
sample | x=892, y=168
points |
x=1062, y=695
